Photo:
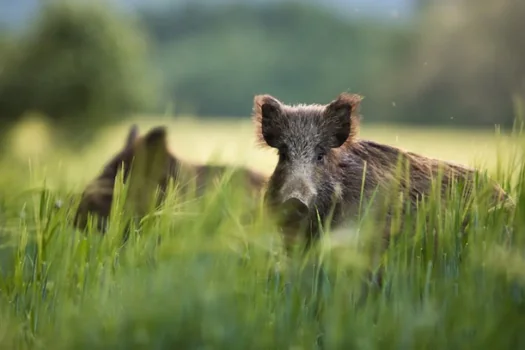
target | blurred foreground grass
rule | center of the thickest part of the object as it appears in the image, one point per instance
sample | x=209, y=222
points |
x=219, y=280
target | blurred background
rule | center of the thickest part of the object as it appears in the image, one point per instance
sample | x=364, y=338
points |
x=437, y=75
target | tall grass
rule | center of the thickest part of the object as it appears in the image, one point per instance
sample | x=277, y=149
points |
x=210, y=273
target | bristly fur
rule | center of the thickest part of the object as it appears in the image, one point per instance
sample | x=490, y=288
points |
x=323, y=165
x=326, y=175
x=305, y=109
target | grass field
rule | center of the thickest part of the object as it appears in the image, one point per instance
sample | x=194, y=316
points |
x=219, y=279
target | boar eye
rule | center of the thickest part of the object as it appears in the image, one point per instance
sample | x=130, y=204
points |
x=321, y=153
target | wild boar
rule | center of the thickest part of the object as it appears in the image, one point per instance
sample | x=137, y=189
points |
x=152, y=166
x=325, y=172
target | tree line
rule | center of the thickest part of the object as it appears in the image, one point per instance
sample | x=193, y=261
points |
x=79, y=63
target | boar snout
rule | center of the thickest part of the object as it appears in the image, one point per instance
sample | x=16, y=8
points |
x=296, y=202
x=299, y=187
x=294, y=209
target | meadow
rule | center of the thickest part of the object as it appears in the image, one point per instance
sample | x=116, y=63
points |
x=219, y=278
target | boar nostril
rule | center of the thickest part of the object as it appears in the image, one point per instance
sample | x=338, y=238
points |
x=295, y=207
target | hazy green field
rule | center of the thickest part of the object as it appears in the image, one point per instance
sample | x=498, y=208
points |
x=219, y=280
x=233, y=142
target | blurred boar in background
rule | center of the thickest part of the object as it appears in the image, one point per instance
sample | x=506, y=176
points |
x=152, y=166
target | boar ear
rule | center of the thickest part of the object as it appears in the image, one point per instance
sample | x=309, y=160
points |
x=156, y=138
x=266, y=112
x=133, y=133
x=152, y=154
x=149, y=168
x=341, y=122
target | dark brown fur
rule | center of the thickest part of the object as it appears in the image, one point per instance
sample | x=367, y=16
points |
x=153, y=167
x=322, y=163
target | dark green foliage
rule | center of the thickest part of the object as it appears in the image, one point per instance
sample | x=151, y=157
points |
x=440, y=67
x=466, y=65
x=436, y=68
x=80, y=64
x=216, y=58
